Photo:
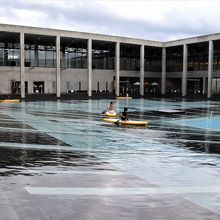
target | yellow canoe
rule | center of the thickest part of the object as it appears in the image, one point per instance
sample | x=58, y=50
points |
x=124, y=97
x=10, y=100
x=107, y=114
x=129, y=122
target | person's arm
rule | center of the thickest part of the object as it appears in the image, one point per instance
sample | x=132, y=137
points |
x=126, y=116
x=122, y=116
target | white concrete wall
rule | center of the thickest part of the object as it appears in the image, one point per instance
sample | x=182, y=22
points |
x=174, y=74
x=152, y=75
x=192, y=74
x=125, y=73
x=102, y=76
x=48, y=75
x=74, y=76
x=7, y=74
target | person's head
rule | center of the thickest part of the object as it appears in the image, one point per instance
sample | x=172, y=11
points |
x=125, y=109
x=111, y=103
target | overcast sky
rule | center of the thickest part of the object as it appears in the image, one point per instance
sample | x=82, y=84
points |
x=160, y=20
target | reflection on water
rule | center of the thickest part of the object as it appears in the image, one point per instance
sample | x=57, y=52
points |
x=24, y=162
x=79, y=124
x=68, y=145
x=29, y=138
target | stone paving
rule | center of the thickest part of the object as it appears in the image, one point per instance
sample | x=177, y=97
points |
x=19, y=202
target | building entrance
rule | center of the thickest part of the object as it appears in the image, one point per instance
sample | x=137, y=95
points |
x=16, y=87
x=194, y=86
x=38, y=87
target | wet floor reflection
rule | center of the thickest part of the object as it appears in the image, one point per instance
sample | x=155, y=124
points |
x=25, y=162
x=66, y=114
x=181, y=136
x=164, y=155
x=86, y=119
x=13, y=124
x=29, y=138
x=197, y=139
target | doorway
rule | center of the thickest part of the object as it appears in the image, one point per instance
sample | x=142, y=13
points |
x=38, y=87
x=16, y=87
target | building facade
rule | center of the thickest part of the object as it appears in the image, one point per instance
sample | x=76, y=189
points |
x=48, y=61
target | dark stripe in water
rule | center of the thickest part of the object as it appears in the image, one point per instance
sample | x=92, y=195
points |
x=20, y=161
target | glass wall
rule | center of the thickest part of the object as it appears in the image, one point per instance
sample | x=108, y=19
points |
x=40, y=51
x=216, y=85
x=73, y=53
x=40, y=56
x=198, y=56
x=9, y=49
x=129, y=57
x=153, y=59
x=216, y=55
x=103, y=55
x=174, y=59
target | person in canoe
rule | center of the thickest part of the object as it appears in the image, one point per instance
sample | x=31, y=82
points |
x=124, y=114
x=110, y=110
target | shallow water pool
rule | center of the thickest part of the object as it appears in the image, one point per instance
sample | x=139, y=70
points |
x=176, y=150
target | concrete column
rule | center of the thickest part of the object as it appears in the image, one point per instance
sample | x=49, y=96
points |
x=117, y=67
x=5, y=57
x=142, y=70
x=36, y=56
x=22, y=69
x=204, y=85
x=58, y=66
x=185, y=67
x=163, y=76
x=63, y=63
x=210, y=69
x=89, y=67
x=105, y=63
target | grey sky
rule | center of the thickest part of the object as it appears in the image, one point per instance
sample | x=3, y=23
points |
x=148, y=19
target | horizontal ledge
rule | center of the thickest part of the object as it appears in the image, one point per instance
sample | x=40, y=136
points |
x=120, y=191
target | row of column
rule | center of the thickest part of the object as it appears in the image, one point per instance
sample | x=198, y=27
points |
x=117, y=68
x=185, y=67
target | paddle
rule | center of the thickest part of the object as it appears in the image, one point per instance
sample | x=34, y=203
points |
x=117, y=122
x=121, y=115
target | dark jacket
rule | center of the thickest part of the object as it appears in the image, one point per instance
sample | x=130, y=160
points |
x=124, y=116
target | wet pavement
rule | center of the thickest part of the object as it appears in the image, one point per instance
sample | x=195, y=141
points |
x=58, y=160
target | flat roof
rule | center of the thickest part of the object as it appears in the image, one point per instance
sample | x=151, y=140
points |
x=102, y=37
x=76, y=34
